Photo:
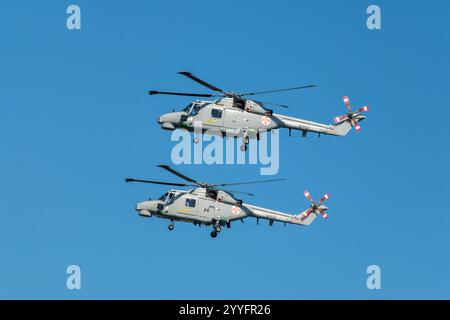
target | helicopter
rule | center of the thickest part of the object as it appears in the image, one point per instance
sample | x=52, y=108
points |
x=233, y=115
x=210, y=205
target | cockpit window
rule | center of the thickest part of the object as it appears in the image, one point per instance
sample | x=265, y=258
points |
x=195, y=110
x=192, y=109
x=188, y=108
x=163, y=197
x=167, y=197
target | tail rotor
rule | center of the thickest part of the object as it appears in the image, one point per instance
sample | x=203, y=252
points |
x=316, y=207
x=353, y=117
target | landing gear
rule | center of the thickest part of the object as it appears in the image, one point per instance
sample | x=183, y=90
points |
x=245, y=142
x=171, y=226
x=216, y=230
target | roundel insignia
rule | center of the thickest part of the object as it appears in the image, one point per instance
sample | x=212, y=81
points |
x=235, y=210
x=265, y=120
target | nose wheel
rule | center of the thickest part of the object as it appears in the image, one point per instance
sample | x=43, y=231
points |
x=171, y=226
x=213, y=234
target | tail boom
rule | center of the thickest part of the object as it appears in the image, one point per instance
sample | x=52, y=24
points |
x=273, y=215
x=340, y=129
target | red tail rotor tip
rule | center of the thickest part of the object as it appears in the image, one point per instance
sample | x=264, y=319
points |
x=363, y=109
x=308, y=196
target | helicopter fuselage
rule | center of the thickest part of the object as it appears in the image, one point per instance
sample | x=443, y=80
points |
x=249, y=120
x=208, y=204
x=199, y=206
x=222, y=117
x=202, y=206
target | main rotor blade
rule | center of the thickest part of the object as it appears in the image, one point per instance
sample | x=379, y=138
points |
x=250, y=182
x=246, y=193
x=274, y=104
x=279, y=90
x=157, y=182
x=203, y=83
x=206, y=95
x=182, y=176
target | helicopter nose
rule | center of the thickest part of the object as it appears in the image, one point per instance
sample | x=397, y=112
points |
x=146, y=208
x=172, y=118
x=169, y=121
x=162, y=119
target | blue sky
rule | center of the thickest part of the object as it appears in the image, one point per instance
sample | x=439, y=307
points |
x=76, y=120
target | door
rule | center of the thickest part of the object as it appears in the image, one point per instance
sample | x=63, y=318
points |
x=185, y=206
x=216, y=117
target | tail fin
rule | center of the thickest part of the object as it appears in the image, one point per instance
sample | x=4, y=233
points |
x=316, y=208
x=305, y=218
x=343, y=127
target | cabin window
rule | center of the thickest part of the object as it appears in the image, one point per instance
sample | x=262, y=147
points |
x=216, y=113
x=190, y=203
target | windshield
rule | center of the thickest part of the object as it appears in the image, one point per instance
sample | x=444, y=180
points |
x=195, y=109
x=192, y=109
x=167, y=197
x=188, y=108
x=163, y=197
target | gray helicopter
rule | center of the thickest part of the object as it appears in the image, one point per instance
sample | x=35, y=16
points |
x=233, y=115
x=209, y=205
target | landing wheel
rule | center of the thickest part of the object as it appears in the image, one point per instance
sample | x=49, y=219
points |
x=217, y=229
x=246, y=140
x=171, y=226
x=213, y=234
x=243, y=147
